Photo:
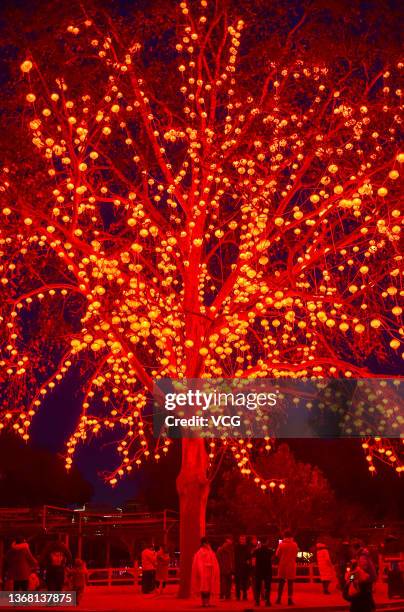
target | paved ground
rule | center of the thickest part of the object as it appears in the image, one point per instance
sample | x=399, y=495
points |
x=307, y=597
x=128, y=599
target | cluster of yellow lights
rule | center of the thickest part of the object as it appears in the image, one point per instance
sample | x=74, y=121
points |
x=242, y=455
x=382, y=450
x=245, y=239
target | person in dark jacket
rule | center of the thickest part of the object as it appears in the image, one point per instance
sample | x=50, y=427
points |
x=360, y=580
x=54, y=560
x=225, y=557
x=19, y=564
x=263, y=572
x=242, y=567
x=344, y=556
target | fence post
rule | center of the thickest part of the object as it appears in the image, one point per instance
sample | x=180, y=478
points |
x=165, y=527
x=80, y=540
x=136, y=574
x=1, y=561
x=44, y=518
x=108, y=549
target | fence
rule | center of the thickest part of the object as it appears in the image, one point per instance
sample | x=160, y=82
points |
x=122, y=576
x=125, y=576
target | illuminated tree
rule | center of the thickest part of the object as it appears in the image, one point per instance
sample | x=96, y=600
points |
x=235, y=229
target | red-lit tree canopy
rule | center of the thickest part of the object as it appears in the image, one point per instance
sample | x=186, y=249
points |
x=234, y=227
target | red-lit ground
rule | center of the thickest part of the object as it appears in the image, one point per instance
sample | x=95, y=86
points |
x=307, y=597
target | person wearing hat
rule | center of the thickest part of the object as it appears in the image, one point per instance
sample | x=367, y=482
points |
x=325, y=567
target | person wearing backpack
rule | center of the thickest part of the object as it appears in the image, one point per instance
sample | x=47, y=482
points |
x=360, y=579
x=54, y=560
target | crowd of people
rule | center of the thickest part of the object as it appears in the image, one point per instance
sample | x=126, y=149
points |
x=246, y=564
x=53, y=571
x=250, y=565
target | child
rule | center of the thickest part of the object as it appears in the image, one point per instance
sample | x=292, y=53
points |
x=78, y=578
x=33, y=582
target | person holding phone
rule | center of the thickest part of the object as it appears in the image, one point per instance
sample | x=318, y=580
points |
x=262, y=556
x=360, y=578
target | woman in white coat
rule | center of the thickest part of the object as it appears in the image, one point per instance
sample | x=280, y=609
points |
x=325, y=567
x=205, y=573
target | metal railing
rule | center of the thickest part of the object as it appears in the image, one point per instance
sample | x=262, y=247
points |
x=55, y=517
x=305, y=573
x=123, y=576
x=126, y=576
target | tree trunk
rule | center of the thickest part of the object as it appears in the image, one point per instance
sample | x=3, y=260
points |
x=193, y=491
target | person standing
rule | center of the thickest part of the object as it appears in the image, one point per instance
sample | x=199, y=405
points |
x=262, y=556
x=149, y=563
x=55, y=559
x=325, y=567
x=205, y=573
x=19, y=564
x=225, y=557
x=253, y=543
x=242, y=567
x=162, y=563
x=344, y=556
x=360, y=580
x=286, y=555
x=78, y=576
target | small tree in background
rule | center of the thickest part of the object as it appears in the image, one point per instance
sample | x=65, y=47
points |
x=36, y=477
x=307, y=502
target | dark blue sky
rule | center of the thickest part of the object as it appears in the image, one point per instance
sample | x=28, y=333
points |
x=51, y=428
